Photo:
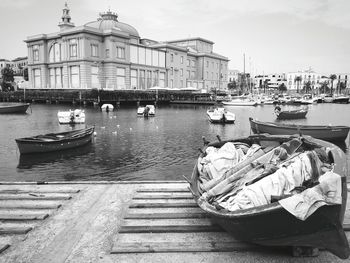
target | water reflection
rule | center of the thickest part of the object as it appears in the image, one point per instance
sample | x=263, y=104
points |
x=28, y=161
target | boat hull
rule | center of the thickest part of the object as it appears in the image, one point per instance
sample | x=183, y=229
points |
x=272, y=225
x=26, y=146
x=328, y=133
x=291, y=115
x=6, y=108
x=240, y=103
x=71, y=117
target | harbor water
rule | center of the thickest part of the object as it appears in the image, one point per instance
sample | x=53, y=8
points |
x=128, y=147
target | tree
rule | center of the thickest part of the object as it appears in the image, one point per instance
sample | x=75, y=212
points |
x=297, y=80
x=232, y=85
x=307, y=87
x=342, y=87
x=7, y=78
x=332, y=77
x=282, y=87
x=324, y=87
x=25, y=74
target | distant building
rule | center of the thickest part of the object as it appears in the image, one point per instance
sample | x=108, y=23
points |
x=232, y=75
x=293, y=84
x=269, y=81
x=109, y=54
x=19, y=64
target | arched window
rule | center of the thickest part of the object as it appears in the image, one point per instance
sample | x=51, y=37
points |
x=55, y=53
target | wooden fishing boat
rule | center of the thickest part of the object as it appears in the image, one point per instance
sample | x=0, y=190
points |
x=55, y=141
x=271, y=224
x=290, y=114
x=323, y=132
x=146, y=111
x=12, y=107
x=107, y=107
x=220, y=115
x=71, y=117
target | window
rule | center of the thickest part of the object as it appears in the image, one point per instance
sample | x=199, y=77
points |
x=171, y=83
x=133, y=54
x=55, y=53
x=181, y=59
x=181, y=83
x=181, y=72
x=73, y=48
x=107, y=53
x=121, y=52
x=148, y=57
x=188, y=74
x=37, y=78
x=133, y=78
x=94, y=77
x=36, y=53
x=193, y=63
x=188, y=62
x=55, y=78
x=121, y=78
x=155, y=79
x=94, y=49
x=148, y=79
x=155, y=58
x=207, y=64
x=162, y=79
x=75, y=77
x=171, y=57
x=142, y=55
x=142, y=79
x=207, y=75
x=171, y=71
x=193, y=74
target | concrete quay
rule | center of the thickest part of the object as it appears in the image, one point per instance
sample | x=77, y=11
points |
x=120, y=222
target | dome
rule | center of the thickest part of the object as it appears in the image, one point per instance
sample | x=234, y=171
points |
x=109, y=20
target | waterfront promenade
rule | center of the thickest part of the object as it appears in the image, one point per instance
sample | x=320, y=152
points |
x=120, y=222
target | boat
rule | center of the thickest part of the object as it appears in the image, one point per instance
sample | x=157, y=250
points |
x=146, y=111
x=220, y=115
x=107, y=107
x=71, y=117
x=341, y=99
x=13, y=107
x=271, y=224
x=290, y=114
x=328, y=98
x=308, y=99
x=323, y=132
x=240, y=102
x=55, y=141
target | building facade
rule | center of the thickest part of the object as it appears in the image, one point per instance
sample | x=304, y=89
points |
x=109, y=54
x=269, y=81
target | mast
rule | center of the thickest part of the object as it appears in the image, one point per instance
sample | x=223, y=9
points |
x=244, y=87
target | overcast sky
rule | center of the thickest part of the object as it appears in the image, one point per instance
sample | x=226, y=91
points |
x=275, y=35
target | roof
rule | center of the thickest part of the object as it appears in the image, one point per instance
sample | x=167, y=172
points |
x=109, y=21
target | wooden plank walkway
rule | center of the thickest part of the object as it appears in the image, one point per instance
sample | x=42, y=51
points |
x=157, y=222
x=22, y=204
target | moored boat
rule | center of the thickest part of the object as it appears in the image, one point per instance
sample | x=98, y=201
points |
x=220, y=115
x=323, y=132
x=13, y=107
x=232, y=197
x=290, y=114
x=146, y=111
x=107, y=107
x=240, y=102
x=71, y=117
x=341, y=99
x=55, y=141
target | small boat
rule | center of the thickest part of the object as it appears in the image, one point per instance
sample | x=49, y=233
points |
x=233, y=201
x=71, y=117
x=55, y=141
x=146, y=111
x=13, y=107
x=240, y=102
x=220, y=115
x=328, y=98
x=323, y=132
x=341, y=99
x=308, y=99
x=107, y=107
x=290, y=114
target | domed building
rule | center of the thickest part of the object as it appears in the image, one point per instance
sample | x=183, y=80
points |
x=109, y=54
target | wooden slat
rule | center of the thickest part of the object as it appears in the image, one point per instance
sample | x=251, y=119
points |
x=11, y=216
x=166, y=190
x=33, y=197
x=5, y=230
x=4, y=246
x=29, y=206
x=166, y=215
x=39, y=191
x=162, y=205
x=155, y=247
x=163, y=196
x=170, y=229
